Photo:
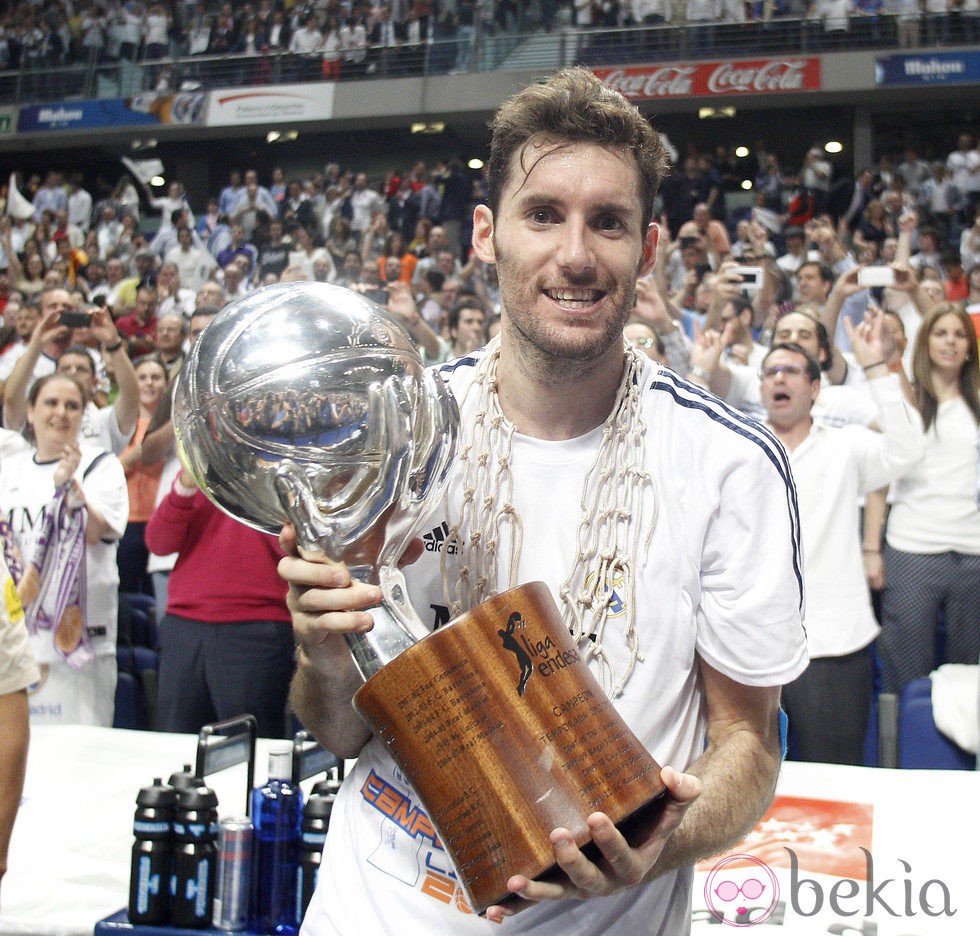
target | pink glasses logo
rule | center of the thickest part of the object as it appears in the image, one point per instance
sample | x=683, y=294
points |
x=741, y=891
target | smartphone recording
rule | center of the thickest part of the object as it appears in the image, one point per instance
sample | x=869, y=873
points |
x=75, y=319
x=876, y=276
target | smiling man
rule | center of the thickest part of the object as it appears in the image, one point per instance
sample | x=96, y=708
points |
x=662, y=521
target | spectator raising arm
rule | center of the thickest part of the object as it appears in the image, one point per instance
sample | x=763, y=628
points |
x=127, y=404
x=908, y=224
x=651, y=308
x=21, y=377
x=402, y=305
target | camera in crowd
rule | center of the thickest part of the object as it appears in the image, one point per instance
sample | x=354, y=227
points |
x=751, y=279
x=75, y=319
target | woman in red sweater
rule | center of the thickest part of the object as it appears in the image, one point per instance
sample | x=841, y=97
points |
x=226, y=642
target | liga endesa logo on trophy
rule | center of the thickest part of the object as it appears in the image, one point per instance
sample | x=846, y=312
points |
x=307, y=403
x=533, y=652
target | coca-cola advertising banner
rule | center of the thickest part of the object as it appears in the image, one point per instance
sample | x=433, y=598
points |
x=703, y=79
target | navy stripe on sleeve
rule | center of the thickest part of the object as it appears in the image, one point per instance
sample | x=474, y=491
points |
x=691, y=396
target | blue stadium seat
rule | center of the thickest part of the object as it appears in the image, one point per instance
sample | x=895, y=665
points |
x=143, y=629
x=130, y=711
x=146, y=666
x=138, y=600
x=137, y=620
x=921, y=746
x=137, y=673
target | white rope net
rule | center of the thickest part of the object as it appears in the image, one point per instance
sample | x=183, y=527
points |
x=619, y=506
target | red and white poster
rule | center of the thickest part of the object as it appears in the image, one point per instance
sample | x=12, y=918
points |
x=850, y=851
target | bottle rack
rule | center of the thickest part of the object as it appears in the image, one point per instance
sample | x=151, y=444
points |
x=219, y=747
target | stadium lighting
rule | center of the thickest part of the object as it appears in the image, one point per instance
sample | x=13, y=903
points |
x=706, y=113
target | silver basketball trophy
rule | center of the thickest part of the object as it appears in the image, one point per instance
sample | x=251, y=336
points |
x=307, y=402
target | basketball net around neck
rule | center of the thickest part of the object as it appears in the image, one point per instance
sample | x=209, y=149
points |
x=619, y=506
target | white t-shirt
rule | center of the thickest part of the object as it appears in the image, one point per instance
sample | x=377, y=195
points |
x=834, y=14
x=194, y=265
x=965, y=167
x=101, y=428
x=156, y=29
x=722, y=579
x=305, y=261
x=26, y=488
x=934, y=507
x=832, y=468
x=790, y=262
x=45, y=365
x=10, y=357
x=364, y=203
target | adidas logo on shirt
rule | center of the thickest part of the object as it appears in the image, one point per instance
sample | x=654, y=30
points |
x=435, y=538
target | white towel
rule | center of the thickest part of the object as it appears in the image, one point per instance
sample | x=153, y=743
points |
x=956, y=703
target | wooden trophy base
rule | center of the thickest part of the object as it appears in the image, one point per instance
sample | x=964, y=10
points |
x=506, y=735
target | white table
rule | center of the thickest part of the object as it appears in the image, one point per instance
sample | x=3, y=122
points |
x=70, y=852
x=69, y=860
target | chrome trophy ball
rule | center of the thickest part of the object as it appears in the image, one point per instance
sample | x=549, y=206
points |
x=308, y=403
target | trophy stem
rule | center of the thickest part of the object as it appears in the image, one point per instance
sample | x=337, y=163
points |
x=396, y=625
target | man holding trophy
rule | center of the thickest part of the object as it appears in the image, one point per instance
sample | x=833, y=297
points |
x=663, y=522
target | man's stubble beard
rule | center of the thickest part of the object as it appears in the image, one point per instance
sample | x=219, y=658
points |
x=543, y=351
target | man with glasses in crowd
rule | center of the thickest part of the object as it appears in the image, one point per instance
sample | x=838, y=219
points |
x=833, y=467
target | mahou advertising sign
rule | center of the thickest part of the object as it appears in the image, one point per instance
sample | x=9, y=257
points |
x=705, y=79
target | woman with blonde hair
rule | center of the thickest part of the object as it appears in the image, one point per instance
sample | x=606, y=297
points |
x=932, y=548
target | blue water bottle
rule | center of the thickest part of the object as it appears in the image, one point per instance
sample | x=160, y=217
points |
x=276, y=812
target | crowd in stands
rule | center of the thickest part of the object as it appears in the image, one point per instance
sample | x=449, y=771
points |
x=147, y=272
x=335, y=37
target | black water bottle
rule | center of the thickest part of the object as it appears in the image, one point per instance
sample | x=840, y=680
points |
x=184, y=779
x=195, y=857
x=153, y=855
x=313, y=833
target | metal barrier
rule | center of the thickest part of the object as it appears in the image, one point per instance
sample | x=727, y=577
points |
x=482, y=50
